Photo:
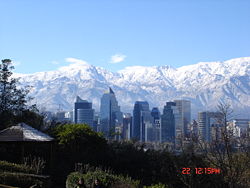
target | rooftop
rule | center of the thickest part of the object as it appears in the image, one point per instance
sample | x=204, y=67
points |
x=23, y=132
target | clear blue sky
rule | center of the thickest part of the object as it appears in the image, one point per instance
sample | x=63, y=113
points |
x=39, y=35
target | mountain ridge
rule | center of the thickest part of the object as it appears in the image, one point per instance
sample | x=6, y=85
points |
x=204, y=83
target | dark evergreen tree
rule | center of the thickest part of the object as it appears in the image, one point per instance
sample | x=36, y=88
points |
x=13, y=100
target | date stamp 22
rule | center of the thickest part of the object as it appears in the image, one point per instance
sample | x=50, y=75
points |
x=201, y=170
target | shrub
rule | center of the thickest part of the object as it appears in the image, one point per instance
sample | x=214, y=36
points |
x=78, y=142
x=107, y=178
x=20, y=180
x=159, y=185
x=12, y=167
x=74, y=135
x=120, y=184
x=35, y=163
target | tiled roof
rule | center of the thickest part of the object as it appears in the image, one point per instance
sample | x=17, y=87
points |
x=23, y=132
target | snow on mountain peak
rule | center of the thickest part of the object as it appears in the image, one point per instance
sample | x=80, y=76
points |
x=204, y=83
x=238, y=66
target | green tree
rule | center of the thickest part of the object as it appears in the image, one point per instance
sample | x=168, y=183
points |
x=74, y=136
x=77, y=143
x=13, y=99
x=80, y=143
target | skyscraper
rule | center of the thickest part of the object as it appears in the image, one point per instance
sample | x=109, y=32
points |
x=168, y=127
x=207, y=120
x=184, y=107
x=155, y=113
x=83, y=112
x=243, y=125
x=127, y=126
x=110, y=114
x=141, y=120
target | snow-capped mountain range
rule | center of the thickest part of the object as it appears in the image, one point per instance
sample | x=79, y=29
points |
x=204, y=84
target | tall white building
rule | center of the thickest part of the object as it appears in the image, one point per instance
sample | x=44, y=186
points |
x=184, y=108
x=208, y=121
x=241, y=127
x=127, y=126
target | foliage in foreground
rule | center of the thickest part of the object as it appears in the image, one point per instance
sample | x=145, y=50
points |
x=19, y=179
x=77, y=134
x=107, y=178
x=159, y=185
x=20, y=175
x=13, y=167
x=78, y=143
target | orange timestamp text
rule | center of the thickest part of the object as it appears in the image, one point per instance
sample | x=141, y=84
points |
x=201, y=170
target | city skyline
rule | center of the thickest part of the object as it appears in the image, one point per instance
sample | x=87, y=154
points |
x=150, y=125
x=42, y=36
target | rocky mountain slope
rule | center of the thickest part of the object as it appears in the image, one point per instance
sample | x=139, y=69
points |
x=204, y=84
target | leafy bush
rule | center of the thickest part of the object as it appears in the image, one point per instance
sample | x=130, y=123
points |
x=77, y=134
x=121, y=184
x=21, y=175
x=36, y=163
x=159, y=185
x=12, y=167
x=19, y=179
x=107, y=178
x=81, y=142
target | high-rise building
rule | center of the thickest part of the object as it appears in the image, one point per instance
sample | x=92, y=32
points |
x=168, y=122
x=206, y=122
x=216, y=131
x=60, y=116
x=142, y=119
x=184, y=107
x=83, y=112
x=110, y=114
x=155, y=113
x=96, y=123
x=69, y=116
x=149, y=132
x=243, y=126
x=127, y=126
